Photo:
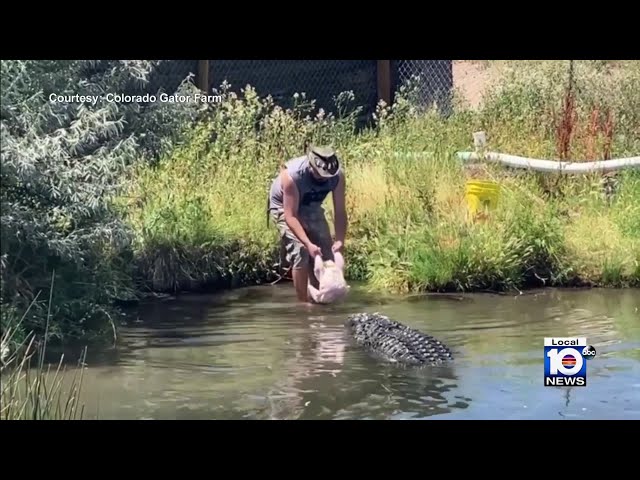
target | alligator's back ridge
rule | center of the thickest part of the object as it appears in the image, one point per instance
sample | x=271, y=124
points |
x=396, y=342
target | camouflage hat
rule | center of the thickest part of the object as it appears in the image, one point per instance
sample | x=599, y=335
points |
x=324, y=161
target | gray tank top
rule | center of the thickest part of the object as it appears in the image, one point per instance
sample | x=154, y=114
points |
x=312, y=192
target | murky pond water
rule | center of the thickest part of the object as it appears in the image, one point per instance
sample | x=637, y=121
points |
x=256, y=354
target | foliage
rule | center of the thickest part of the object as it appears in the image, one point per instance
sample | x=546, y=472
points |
x=28, y=393
x=409, y=228
x=122, y=197
x=62, y=162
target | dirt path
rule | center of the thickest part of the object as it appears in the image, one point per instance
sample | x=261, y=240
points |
x=472, y=77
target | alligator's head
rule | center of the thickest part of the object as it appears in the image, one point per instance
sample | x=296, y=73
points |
x=359, y=319
x=368, y=319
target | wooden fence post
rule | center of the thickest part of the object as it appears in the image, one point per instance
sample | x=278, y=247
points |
x=202, y=78
x=384, y=81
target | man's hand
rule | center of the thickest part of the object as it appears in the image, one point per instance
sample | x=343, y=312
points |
x=337, y=246
x=314, y=250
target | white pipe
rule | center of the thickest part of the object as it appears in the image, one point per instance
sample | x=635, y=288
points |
x=552, y=166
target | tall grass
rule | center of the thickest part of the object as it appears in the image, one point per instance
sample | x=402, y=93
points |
x=29, y=390
x=200, y=218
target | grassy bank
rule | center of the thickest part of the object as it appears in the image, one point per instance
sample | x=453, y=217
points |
x=200, y=221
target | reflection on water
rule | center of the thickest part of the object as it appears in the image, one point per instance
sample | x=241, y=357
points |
x=256, y=354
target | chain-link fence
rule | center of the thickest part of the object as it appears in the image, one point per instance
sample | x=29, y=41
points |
x=445, y=84
x=171, y=73
x=432, y=81
x=321, y=80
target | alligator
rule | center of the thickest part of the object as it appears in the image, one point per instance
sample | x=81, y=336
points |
x=396, y=342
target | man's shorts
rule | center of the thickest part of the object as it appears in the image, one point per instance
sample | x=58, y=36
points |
x=317, y=229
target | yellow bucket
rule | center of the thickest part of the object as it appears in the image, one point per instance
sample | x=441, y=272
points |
x=481, y=195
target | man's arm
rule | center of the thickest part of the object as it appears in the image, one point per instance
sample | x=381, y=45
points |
x=290, y=203
x=340, y=210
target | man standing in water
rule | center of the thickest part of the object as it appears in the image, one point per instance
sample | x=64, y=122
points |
x=295, y=203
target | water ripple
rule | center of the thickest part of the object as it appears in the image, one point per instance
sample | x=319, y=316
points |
x=256, y=354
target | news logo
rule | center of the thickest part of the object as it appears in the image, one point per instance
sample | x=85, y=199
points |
x=565, y=361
